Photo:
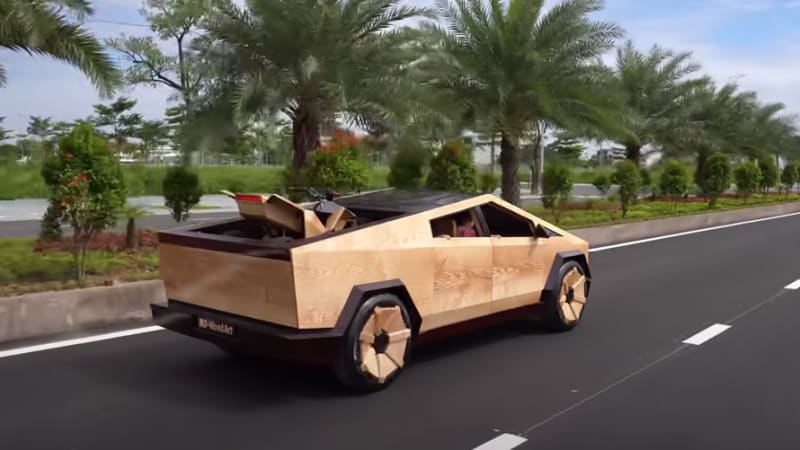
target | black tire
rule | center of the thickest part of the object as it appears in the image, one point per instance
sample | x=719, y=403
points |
x=564, y=310
x=351, y=367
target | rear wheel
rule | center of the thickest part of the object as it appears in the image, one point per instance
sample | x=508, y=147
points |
x=377, y=344
x=565, y=307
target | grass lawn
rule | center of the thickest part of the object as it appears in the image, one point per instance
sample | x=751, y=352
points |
x=24, y=269
x=604, y=212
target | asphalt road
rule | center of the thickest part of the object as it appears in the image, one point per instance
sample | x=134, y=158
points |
x=623, y=379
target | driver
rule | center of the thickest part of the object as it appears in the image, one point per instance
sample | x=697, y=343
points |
x=466, y=226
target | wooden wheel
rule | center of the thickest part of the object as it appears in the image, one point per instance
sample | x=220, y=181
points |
x=572, y=297
x=566, y=305
x=377, y=344
x=383, y=342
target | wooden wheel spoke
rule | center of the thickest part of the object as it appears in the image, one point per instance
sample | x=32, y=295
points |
x=401, y=335
x=580, y=281
x=385, y=367
x=569, y=314
x=389, y=319
x=370, y=325
x=369, y=362
x=367, y=337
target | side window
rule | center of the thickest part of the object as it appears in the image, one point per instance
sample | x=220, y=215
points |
x=502, y=222
x=460, y=224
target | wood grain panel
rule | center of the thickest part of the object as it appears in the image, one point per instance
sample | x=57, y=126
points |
x=521, y=265
x=326, y=277
x=259, y=288
x=462, y=275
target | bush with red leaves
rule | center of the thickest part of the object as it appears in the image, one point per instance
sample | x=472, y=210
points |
x=106, y=241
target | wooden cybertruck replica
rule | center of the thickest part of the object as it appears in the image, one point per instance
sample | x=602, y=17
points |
x=356, y=282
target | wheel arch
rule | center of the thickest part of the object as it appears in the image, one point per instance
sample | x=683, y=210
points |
x=361, y=292
x=552, y=283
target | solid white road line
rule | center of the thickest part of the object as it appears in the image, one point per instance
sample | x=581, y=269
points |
x=78, y=341
x=504, y=441
x=793, y=286
x=687, y=233
x=707, y=334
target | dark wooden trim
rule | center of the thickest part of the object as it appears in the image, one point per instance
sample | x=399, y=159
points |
x=361, y=292
x=230, y=244
x=552, y=284
x=479, y=323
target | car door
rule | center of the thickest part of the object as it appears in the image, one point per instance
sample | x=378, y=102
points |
x=520, y=261
x=462, y=279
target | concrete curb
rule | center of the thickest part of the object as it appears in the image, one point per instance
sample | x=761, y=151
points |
x=52, y=313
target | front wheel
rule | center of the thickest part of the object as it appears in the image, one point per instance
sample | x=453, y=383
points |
x=376, y=346
x=565, y=307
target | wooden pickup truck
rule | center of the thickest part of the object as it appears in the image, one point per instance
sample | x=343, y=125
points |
x=357, y=282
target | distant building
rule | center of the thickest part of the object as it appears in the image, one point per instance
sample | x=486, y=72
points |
x=606, y=156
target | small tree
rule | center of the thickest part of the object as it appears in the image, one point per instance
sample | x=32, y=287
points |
x=602, y=182
x=674, y=181
x=452, y=169
x=339, y=165
x=85, y=181
x=717, y=177
x=131, y=213
x=790, y=175
x=407, y=170
x=748, y=178
x=769, y=174
x=627, y=176
x=556, y=187
x=181, y=188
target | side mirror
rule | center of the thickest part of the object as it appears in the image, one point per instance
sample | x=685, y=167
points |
x=540, y=232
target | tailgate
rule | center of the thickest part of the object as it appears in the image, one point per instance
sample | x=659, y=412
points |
x=235, y=282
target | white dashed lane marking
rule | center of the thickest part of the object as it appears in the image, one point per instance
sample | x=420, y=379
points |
x=707, y=334
x=504, y=441
x=794, y=285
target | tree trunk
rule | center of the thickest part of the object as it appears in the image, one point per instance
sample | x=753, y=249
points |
x=509, y=161
x=130, y=234
x=305, y=138
x=700, y=170
x=633, y=152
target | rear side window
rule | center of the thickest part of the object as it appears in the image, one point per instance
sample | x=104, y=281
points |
x=502, y=222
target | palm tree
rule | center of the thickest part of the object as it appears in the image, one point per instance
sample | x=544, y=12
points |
x=515, y=66
x=655, y=89
x=313, y=59
x=41, y=27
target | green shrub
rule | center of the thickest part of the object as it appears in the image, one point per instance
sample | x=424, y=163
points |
x=769, y=173
x=452, y=169
x=86, y=185
x=602, y=182
x=748, y=178
x=674, y=181
x=407, y=170
x=716, y=177
x=790, y=175
x=181, y=187
x=340, y=165
x=627, y=176
x=556, y=187
x=488, y=182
